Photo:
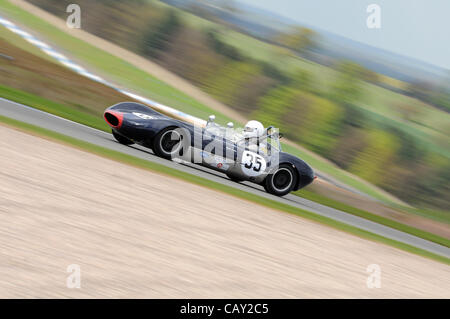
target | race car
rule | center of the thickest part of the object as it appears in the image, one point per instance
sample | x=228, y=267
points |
x=249, y=154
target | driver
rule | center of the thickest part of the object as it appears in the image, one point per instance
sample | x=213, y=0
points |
x=253, y=131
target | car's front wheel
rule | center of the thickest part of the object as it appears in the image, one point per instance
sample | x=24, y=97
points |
x=281, y=181
x=122, y=139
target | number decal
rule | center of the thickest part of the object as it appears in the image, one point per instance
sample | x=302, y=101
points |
x=253, y=164
x=143, y=116
x=258, y=162
x=249, y=163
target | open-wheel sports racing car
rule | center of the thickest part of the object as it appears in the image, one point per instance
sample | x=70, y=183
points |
x=250, y=154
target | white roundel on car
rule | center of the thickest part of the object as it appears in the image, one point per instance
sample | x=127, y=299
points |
x=253, y=164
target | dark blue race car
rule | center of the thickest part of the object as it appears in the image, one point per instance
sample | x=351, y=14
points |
x=228, y=150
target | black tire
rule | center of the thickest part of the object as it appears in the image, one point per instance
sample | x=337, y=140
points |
x=281, y=181
x=122, y=139
x=164, y=144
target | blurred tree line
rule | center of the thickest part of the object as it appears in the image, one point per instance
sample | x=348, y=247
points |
x=438, y=96
x=325, y=120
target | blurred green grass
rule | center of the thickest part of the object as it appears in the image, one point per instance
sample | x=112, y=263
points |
x=58, y=109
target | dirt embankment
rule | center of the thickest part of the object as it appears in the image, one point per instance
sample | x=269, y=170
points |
x=136, y=233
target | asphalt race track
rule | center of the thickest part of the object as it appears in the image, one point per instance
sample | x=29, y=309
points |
x=29, y=115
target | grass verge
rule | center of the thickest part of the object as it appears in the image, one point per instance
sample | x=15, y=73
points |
x=51, y=107
x=143, y=164
x=307, y=194
x=440, y=216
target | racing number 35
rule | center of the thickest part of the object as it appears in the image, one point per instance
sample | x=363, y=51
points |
x=253, y=164
x=254, y=161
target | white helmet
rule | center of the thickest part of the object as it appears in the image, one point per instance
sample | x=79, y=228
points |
x=253, y=129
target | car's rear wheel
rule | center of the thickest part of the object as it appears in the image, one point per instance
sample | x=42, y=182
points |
x=169, y=143
x=282, y=181
x=122, y=139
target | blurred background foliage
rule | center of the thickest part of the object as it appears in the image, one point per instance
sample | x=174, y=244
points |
x=386, y=131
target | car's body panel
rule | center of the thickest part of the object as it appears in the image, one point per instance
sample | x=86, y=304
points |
x=142, y=124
